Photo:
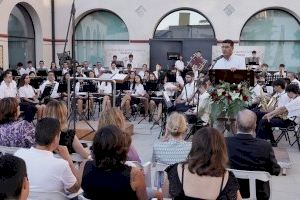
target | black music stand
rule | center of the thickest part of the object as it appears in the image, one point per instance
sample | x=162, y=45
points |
x=58, y=73
x=238, y=76
x=46, y=93
x=36, y=82
x=42, y=72
x=89, y=88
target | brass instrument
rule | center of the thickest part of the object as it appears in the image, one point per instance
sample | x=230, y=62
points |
x=267, y=104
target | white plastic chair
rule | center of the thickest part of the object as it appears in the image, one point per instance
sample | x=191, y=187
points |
x=47, y=196
x=253, y=176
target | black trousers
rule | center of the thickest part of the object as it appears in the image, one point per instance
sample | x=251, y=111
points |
x=29, y=111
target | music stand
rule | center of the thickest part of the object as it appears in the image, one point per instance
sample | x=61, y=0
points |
x=62, y=88
x=46, y=92
x=36, y=82
x=58, y=73
x=42, y=72
x=14, y=72
x=89, y=88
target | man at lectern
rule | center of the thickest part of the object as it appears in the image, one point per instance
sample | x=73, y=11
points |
x=229, y=60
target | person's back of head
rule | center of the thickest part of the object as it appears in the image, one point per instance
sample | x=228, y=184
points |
x=113, y=116
x=208, y=155
x=246, y=121
x=8, y=110
x=176, y=124
x=47, y=133
x=13, y=178
x=110, y=147
x=58, y=110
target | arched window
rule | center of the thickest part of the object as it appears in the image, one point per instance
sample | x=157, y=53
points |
x=184, y=24
x=279, y=32
x=95, y=32
x=21, y=37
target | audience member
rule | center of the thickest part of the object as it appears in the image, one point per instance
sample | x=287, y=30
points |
x=107, y=176
x=203, y=175
x=13, y=178
x=47, y=173
x=114, y=116
x=249, y=153
x=14, y=132
x=58, y=110
x=173, y=148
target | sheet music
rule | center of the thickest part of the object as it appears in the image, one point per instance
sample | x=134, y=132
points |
x=119, y=77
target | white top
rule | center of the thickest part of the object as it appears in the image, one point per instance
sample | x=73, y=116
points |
x=295, y=81
x=188, y=91
x=114, y=71
x=138, y=90
x=28, y=70
x=8, y=91
x=179, y=65
x=133, y=64
x=283, y=99
x=204, y=107
x=256, y=91
x=233, y=62
x=278, y=73
x=22, y=71
x=97, y=71
x=156, y=74
x=107, y=89
x=26, y=91
x=180, y=80
x=65, y=70
x=293, y=108
x=54, y=93
x=45, y=172
x=141, y=74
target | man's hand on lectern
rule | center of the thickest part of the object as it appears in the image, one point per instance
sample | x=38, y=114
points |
x=232, y=69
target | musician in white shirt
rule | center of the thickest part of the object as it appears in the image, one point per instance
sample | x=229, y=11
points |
x=65, y=68
x=20, y=68
x=30, y=67
x=281, y=72
x=136, y=95
x=113, y=68
x=98, y=69
x=85, y=67
x=105, y=89
x=292, y=76
x=130, y=61
x=8, y=87
x=50, y=82
x=28, y=95
x=142, y=72
x=179, y=64
x=229, y=60
x=273, y=119
x=42, y=66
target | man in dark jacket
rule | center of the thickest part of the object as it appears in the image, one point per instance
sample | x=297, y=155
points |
x=249, y=153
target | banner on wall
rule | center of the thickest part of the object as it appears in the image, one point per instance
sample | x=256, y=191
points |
x=140, y=53
x=243, y=51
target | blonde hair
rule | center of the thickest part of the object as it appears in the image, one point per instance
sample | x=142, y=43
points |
x=176, y=124
x=58, y=110
x=113, y=116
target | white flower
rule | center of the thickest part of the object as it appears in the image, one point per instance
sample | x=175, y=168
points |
x=234, y=95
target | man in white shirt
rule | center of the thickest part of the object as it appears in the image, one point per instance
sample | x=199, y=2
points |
x=42, y=66
x=85, y=69
x=20, y=68
x=292, y=76
x=274, y=119
x=98, y=69
x=47, y=173
x=281, y=71
x=8, y=87
x=179, y=64
x=186, y=99
x=142, y=72
x=229, y=60
x=30, y=67
x=50, y=83
x=65, y=68
x=130, y=61
x=113, y=68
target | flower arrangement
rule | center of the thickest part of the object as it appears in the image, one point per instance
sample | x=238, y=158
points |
x=228, y=99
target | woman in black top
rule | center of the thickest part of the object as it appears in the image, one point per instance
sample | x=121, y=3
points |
x=203, y=175
x=107, y=177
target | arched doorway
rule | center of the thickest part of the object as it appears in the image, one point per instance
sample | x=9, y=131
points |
x=21, y=37
x=279, y=32
x=95, y=32
x=182, y=31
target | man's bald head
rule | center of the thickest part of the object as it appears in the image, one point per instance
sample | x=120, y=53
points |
x=246, y=121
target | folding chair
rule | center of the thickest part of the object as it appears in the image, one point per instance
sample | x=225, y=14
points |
x=253, y=176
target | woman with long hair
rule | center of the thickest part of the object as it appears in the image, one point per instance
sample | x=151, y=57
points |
x=203, y=174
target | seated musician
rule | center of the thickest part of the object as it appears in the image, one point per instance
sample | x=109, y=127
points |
x=281, y=71
x=135, y=95
x=64, y=81
x=113, y=68
x=8, y=88
x=154, y=103
x=187, y=98
x=146, y=77
x=32, y=74
x=264, y=68
x=95, y=88
x=105, y=89
x=143, y=71
x=50, y=82
x=257, y=90
x=279, y=99
x=29, y=95
x=281, y=116
x=202, y=111
x=173, y=82
x=65, y=68
x=157, y=71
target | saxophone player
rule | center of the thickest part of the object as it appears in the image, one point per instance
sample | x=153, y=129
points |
x=50, y=82
x=272, y=119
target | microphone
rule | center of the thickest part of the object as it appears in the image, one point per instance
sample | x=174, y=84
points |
x=218, y=58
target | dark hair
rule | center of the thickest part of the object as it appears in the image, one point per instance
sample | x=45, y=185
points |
x=8, y=109
x=294, y=88
x=12, y=174
x=134, y=83
x=129, y=65
x=208, y=155
x=51, y=72
x=113, y=62
x=20, y=64
x=41, y=61
x=114, y=56
x=110, y=147
x=254, y=51
x=281, y=65
x=190, y=73
x=228, y=42
x=6, y=72
x=29, y=62
x=22, y=80
x=287, y=81
x=130, y=56
x=46, y=130
x=279, y=82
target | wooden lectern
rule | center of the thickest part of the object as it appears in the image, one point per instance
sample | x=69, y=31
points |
x=217, y=75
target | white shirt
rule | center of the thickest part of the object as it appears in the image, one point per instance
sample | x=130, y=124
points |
x=8, y=91
x=204, y=107
x=133, y=64
x=97, y=71
x=26, y=91
x=180, y=80
x=107, y=89
x=278, y=73
x=54, y=93
x=283, y=99
x=45, y=172
x=188, y=91
x=114, y=71
x=65, y=70
x=179, y=65
x=295, y=81
x=22, y=71
x=233, y=62
x=141, y=74
x=28, y=70
x=256, y=91
x=156, y=74
x=138, y=90
x=293, y=108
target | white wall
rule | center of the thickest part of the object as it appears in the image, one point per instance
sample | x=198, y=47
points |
x=140, y=28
